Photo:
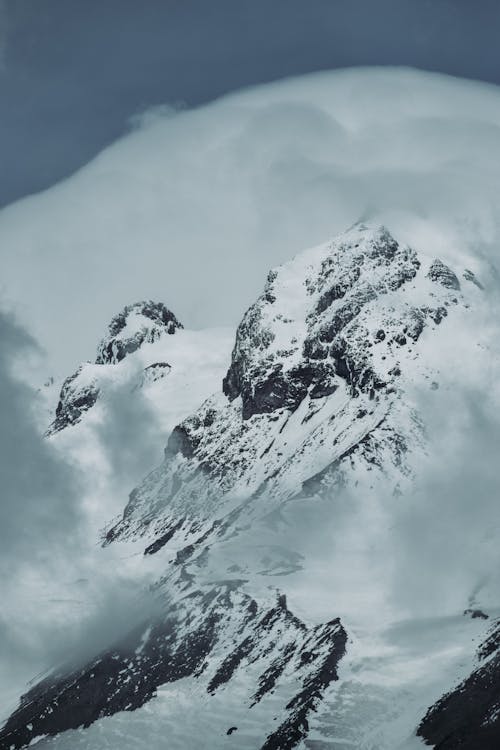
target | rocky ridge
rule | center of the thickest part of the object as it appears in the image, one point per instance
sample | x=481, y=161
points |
x=314, y=387
x=210, y=635
x=316, y=400
x=136, y=325
x=133, y=326
x=468, y=717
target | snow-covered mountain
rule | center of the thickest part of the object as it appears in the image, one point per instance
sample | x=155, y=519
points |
x=268, y=605
x=312, y=397
x=149, y=374
x=137, y=351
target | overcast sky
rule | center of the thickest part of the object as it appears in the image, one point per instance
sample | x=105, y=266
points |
x=72, y=73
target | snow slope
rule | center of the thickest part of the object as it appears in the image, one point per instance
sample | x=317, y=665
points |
x=144, y=381
x=273, y=525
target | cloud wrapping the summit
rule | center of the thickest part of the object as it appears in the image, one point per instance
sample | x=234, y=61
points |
x=193, y=207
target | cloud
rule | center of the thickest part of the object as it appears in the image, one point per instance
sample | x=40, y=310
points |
x=62, y=595
x=193, y=207
x=444, y=534
x=38, y=489
x=129, y=435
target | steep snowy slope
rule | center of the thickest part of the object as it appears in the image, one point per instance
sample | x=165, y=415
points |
x=149, y=374
x=245, y=524
x=314, y=394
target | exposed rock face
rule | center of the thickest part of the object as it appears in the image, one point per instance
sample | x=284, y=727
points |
x=314, y=401
x=134, y=325
x=209, y=637
x=336, y=298
x=443, y=275
x=469, y=716
x=76, y=397
x=314, y=385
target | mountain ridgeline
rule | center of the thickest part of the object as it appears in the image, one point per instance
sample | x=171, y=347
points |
x=315, y=403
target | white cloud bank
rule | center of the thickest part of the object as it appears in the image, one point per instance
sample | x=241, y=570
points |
x=192, y=208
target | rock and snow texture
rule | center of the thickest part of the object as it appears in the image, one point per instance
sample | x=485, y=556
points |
x=136, y=325
x=209, y=637
x=468, y=717
x=113, y=418
x=317, y=407
x=314, y=392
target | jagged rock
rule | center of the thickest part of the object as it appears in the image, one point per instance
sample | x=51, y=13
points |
x=78, y=395
x=134, y=325
x=156, y=652
x=476, y=613
x=352, y=275
x=329, y=339
x=469, y=716
x=443, y=275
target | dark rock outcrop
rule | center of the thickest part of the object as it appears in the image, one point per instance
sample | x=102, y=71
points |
x=127, y=675
x=74, y=401
x=442, y=274
x=149, y=320
x=468, y=718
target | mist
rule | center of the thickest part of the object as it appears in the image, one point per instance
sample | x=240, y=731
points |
x=193, y=207
x=63, y=597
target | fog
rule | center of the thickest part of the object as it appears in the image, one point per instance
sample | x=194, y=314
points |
x=63, y=597
x=193, y=207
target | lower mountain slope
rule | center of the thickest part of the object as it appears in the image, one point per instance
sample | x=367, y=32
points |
x=468, y=716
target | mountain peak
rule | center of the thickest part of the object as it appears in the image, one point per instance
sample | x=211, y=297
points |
x=136, y=324
x=290, y=340
x=314, y=386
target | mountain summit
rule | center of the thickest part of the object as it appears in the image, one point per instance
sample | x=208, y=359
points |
x=316, y=411
x=313, y=397
x=133, y=326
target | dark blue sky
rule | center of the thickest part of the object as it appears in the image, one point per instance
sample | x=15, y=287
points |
x=74, y=71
